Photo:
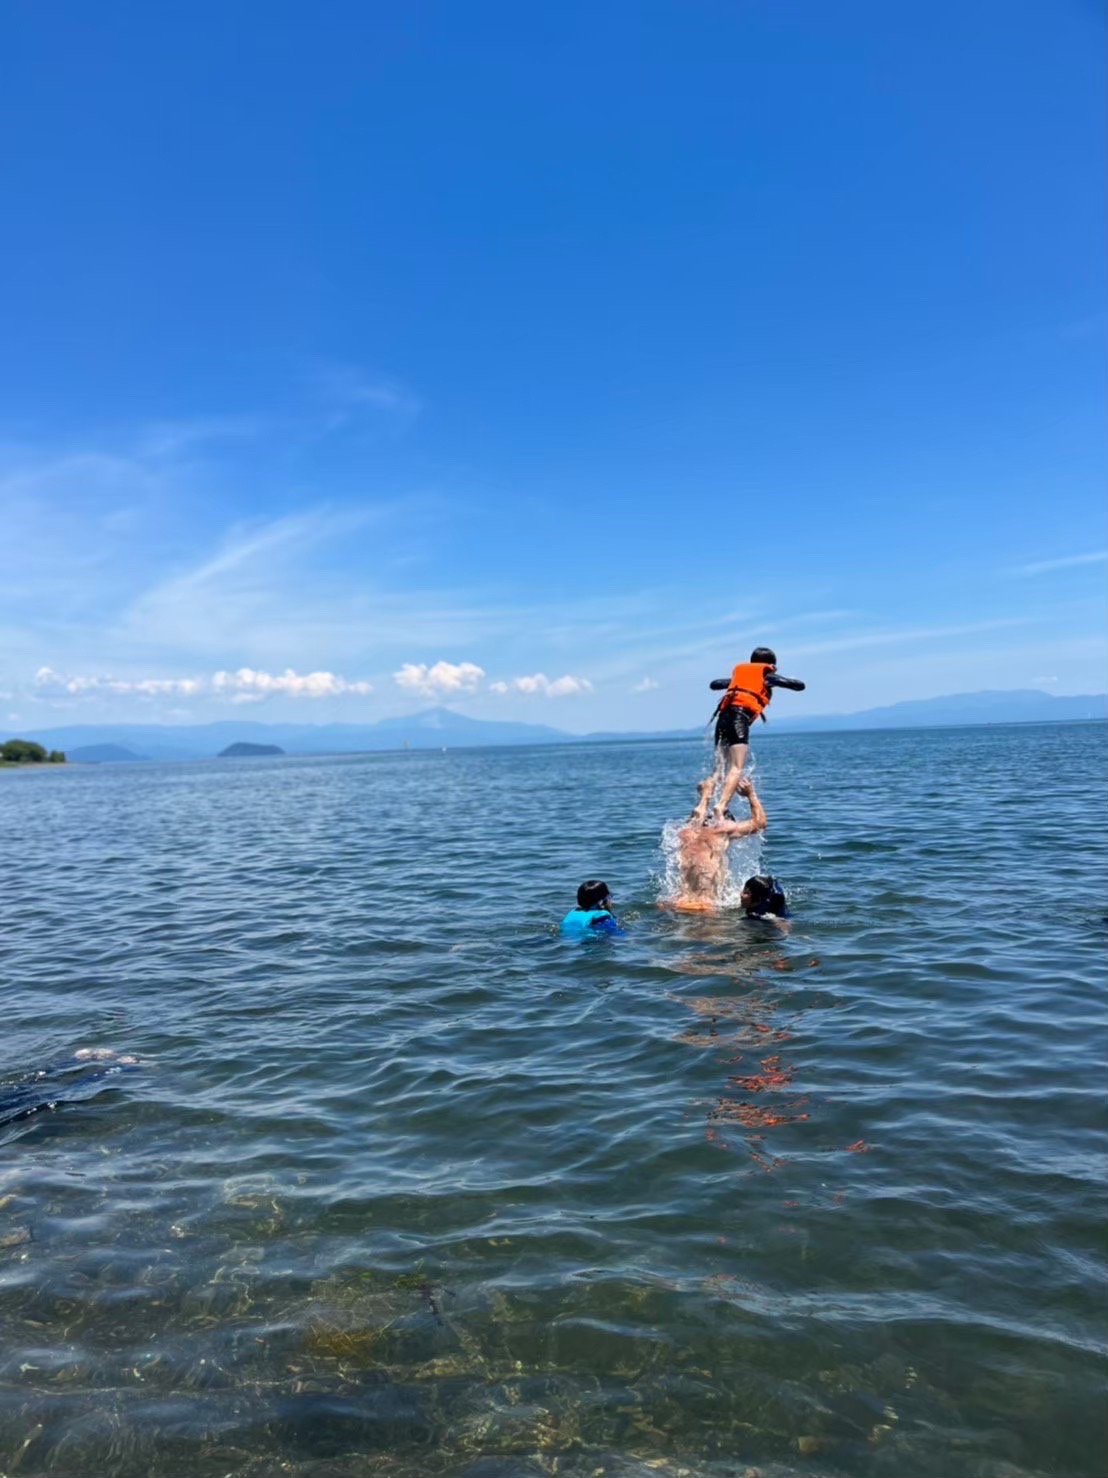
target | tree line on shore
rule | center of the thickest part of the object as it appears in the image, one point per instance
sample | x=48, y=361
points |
x=27, y=752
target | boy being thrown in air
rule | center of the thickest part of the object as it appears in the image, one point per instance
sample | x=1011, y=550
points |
x=746, y=697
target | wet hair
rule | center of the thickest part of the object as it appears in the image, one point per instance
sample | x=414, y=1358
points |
x=764, y=654
x=766, y=896
x=592, y=894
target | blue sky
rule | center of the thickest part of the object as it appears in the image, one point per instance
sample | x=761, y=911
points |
x=543, y=359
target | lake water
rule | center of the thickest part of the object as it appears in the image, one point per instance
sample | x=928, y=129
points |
x=402, y=1183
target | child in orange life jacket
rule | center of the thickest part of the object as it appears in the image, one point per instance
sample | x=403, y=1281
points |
x=746, y=697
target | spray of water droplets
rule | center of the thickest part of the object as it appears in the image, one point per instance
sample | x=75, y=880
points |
x=744, y=859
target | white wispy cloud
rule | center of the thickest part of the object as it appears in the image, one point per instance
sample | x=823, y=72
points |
x=1065, y=562
x=346, y=391
x=126, y=555
x=56, y=553
x=48, y=681
x=631, y=645
x=71, y=471
x=247, y=684
x=442, y=680
x=161, y=439
x=191, y=559
x=860, y=640
x=116, y=545
x=271, y=584
x=264, y=542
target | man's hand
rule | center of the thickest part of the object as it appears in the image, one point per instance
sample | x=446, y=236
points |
x=757, y=820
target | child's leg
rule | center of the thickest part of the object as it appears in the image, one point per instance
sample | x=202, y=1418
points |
x=736, y=760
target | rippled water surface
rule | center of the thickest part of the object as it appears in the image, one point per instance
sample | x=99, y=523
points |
x=403, y=1183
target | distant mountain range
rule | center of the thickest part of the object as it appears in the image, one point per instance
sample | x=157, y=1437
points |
x=436, y=728
x=441, y=728
x=1023, y=705
x=101, y=754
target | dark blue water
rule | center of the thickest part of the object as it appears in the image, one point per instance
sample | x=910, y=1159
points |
x=402, y=1183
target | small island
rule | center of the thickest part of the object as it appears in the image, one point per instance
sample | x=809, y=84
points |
x=26, y=752
x=248, y=751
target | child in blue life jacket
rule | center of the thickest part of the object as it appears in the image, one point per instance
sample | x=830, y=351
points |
x=593, y=914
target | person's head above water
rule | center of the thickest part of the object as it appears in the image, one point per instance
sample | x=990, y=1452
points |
x=593, y=914
x=764, y=654
x=762, y=895
x=593, y=894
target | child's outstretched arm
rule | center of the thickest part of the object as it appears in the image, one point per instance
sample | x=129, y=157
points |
x=775, y=680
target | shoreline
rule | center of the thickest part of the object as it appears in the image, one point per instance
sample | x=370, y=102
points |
x=36, y=764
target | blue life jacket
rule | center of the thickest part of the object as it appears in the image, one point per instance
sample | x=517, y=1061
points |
x=590, y=921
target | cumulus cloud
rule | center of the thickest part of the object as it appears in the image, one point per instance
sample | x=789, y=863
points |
x=246, y=685
x=538, y=683
x=646, y=686
x=567, y=686
x=443, y=680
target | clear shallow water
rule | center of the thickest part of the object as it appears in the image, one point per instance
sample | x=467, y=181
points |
x=406, y=1184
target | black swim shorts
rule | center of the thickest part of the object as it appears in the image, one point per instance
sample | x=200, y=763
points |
x=733, y=727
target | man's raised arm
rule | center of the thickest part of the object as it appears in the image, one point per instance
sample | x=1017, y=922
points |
x=758, y=820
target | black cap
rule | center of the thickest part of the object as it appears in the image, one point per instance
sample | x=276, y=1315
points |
x=592, y=894
x=764, y=654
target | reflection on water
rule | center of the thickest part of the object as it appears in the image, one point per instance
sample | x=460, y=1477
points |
x=401, y=1182
x=748, y=1030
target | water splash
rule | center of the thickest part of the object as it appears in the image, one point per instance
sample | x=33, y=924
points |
x=744, y=856
x=744, y=859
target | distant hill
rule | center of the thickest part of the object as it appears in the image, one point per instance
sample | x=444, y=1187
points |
x=437, y=726
x=434, y=728
x=102, y=754
x=242, y=750
x=1027, y=705
x=440, y=728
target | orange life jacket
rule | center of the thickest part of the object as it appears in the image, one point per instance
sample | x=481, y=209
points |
x=748, y=688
